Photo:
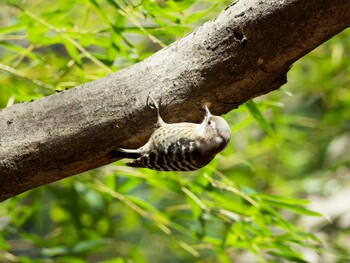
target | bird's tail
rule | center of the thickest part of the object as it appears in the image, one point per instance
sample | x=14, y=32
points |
x=124, y=153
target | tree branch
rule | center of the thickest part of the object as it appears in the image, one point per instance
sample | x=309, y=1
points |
x=244, y=52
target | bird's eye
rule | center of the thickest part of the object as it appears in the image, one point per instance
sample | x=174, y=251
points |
x=212, y=124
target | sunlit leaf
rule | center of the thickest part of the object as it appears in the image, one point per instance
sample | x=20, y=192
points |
x=254, y=110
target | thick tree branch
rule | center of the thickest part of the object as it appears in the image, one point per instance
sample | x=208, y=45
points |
x=245, y=52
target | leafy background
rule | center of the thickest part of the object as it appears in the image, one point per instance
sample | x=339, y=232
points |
x=278, y=193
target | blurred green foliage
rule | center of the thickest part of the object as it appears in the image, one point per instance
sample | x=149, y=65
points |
x=248, y=205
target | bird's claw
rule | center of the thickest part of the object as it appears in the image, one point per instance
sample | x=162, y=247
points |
x=152, y=103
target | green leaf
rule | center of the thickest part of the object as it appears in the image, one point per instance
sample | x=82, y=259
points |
x=73, y=52
x=77, y=248
x=195, y=208
x=19, y=50
x=194, y=17
x=179, y=5
x=255, y=112
x=281, y=199
x=36, y=32
x=12, y=29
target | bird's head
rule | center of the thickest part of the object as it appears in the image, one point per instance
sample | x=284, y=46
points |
x=216, y=129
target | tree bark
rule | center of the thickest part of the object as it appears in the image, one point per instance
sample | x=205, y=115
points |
x=244, y=52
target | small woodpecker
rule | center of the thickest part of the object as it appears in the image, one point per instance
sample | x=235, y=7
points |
x=180, y=146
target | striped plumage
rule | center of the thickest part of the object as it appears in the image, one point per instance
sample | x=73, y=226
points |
x=180, y=146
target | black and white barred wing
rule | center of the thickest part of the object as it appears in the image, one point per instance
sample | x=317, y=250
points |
x=180, y=155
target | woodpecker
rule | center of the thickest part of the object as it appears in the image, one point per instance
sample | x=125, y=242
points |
x=180, y=146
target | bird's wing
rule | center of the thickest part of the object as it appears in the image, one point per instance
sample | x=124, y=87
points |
x=176, y=156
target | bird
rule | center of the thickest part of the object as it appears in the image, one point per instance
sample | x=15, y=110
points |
x=180, y=146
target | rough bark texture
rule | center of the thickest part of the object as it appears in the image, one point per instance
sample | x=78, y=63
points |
x=245, y=52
